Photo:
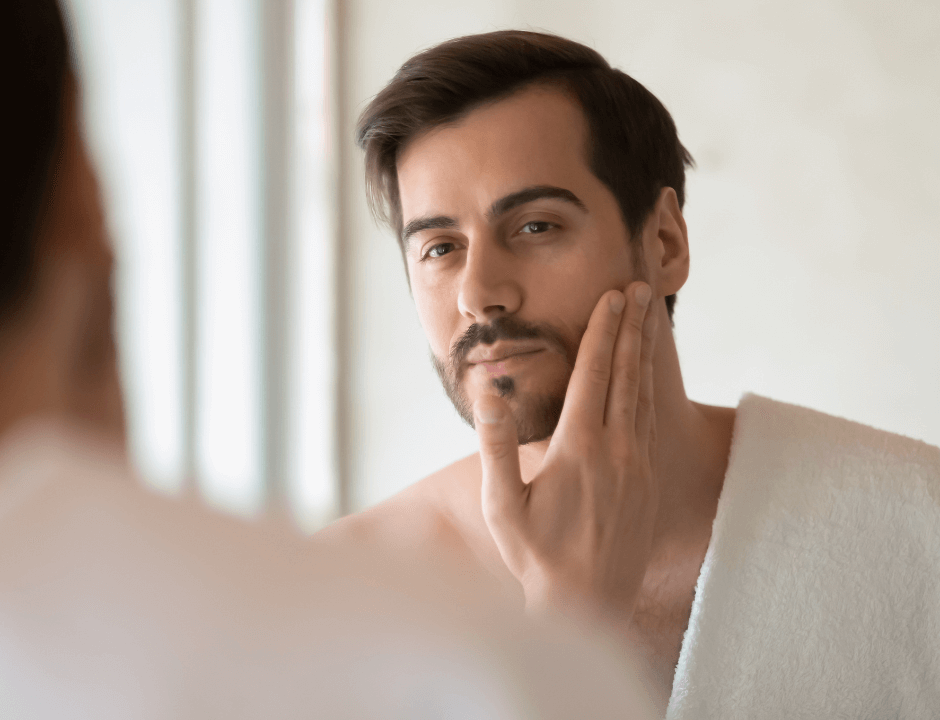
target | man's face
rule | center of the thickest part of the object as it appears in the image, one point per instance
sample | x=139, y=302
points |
x=510, y=241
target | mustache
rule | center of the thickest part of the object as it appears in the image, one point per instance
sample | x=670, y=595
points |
x=502, y=328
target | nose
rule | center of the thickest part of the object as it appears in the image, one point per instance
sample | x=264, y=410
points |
x=489, y=287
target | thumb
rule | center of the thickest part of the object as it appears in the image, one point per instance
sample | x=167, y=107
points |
x=503, y=489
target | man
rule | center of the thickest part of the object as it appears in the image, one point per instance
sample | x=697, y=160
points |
x=535, y=191
x=118, y=603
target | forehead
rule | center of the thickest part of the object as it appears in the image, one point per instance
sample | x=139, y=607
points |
x=537, y=136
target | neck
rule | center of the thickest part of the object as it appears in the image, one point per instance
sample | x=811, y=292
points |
x=693, y=441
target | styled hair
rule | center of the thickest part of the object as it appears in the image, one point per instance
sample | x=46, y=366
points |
x=35, y=70
x=633, y=147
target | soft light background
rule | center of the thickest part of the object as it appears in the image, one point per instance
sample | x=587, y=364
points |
x=814, y=214
x=813, y=218
x=211, y=124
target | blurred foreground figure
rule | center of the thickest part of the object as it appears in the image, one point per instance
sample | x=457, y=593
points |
x=118, y=603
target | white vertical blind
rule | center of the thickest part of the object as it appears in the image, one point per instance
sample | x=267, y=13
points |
x=211, y=127
x=228, y=253
x=312, y=439
x=128, y=55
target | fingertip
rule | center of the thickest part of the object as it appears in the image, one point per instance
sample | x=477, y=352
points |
x=642, y=294
x=617, y=302
x=489, y=410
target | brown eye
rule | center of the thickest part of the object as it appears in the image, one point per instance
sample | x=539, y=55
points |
x=536, y=227
x=439, y=250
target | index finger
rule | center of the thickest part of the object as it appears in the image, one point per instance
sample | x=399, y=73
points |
x=586, y=397
x=631, y=354
x=503, y=492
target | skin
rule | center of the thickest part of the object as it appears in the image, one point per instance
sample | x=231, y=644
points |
x=612, y=514
x=57, y=352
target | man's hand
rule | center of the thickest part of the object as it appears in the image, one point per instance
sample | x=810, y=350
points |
x=580, y=533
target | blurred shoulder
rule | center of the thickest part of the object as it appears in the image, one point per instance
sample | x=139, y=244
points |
x=435, y=510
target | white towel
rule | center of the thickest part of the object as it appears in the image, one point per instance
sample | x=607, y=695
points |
x=819, y=596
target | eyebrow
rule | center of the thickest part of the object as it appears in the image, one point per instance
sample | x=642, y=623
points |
x=530, y=194
x=437, y=222
x=500, y=207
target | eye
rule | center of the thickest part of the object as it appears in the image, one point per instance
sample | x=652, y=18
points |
x=537, y=227
x=438, y=250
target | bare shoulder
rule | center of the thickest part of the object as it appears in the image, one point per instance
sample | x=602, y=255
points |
x=440, y=515
x=433, y=510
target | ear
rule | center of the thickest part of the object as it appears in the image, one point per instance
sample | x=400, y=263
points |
x=666, y=245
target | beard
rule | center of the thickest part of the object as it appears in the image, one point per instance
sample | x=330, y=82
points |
x=536, y=414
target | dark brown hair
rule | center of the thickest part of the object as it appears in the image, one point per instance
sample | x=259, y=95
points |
x=633, y=145
x=35, y=68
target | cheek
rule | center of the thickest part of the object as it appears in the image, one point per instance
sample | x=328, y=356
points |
x=569, y=295
x=438, y=316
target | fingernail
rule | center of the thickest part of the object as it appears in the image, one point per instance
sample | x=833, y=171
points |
x=617, y=303
x=643, y=295
x=488, y=414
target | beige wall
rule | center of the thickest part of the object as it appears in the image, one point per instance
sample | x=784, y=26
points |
x=813, y=214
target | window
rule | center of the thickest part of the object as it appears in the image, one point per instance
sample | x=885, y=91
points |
x=210, y=123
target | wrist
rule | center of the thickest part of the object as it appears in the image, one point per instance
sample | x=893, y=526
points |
x=545, y=597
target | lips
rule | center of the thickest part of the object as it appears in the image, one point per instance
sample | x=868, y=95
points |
x=502, y=351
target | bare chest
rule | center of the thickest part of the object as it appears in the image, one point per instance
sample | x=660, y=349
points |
x=663, y=612
x=658, y=632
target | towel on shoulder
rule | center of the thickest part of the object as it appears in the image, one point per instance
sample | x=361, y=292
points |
x=820, y=592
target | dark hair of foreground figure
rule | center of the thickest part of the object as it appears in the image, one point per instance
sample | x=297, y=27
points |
x=35, y=68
